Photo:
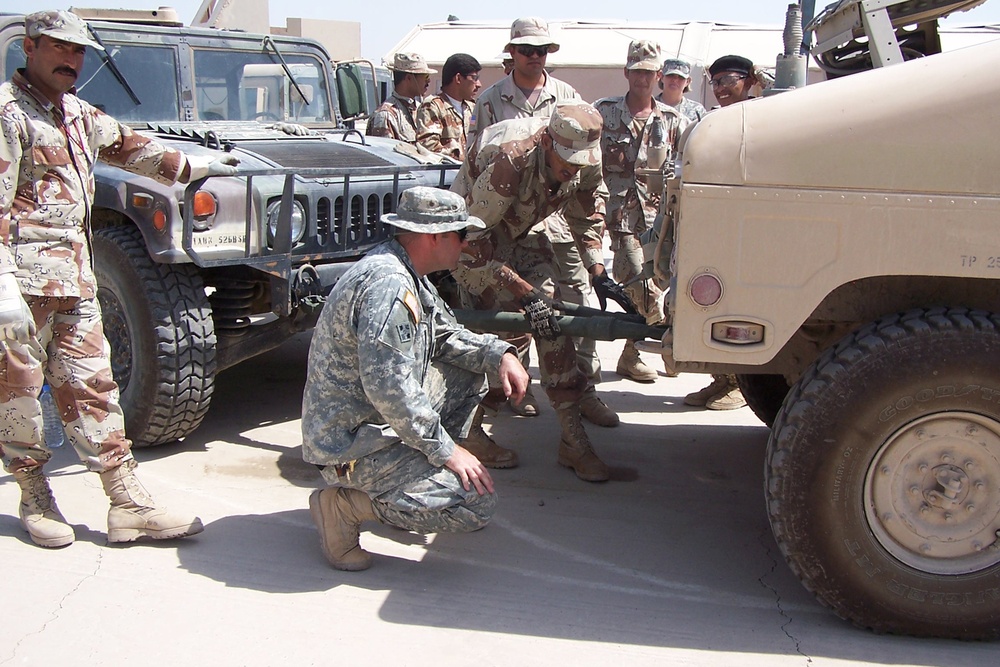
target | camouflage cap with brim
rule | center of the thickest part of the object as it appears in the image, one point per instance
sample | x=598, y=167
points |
x=644, y=54
x=575, y=128
x=677, y=66
x=411, y=63
x=61, y=25
x=427, y=210
x=532, y=31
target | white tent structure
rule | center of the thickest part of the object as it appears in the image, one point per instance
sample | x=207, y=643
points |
x=592, y=53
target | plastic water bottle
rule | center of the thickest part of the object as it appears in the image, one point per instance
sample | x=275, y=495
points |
x=53, y=431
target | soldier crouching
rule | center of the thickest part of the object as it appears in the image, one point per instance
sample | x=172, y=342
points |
x=393, y=381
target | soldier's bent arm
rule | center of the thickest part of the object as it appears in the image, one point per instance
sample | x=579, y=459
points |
x=585, y=214
x=391, y=379
x=456, y=345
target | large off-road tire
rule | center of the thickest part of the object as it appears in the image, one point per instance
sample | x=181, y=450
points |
x=764, y=394
x=883, y=475
x=159, y=323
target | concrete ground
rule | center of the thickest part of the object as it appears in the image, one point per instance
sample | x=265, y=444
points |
x=670, y=563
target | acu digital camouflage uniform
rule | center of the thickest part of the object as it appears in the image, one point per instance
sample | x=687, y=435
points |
x=47, y=156
x=504, y=182
x=441, y=128
x=393, y=381
x=631, y=206
x=693, y=111
x=396, y=119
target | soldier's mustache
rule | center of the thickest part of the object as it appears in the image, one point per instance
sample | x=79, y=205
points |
x=63, y=69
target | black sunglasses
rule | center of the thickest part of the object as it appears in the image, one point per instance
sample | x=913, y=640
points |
x=462, y=233
x=527, y=50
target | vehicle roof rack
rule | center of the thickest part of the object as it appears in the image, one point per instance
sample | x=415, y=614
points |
x=165, y=16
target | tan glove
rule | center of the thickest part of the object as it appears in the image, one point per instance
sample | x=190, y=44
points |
x=205, y=165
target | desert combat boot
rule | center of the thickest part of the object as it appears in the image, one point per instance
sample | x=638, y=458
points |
x=631, y=365
x=39, y=515
x=133, y=512
x=485, y=448
x=338, y=513
x=575, y=450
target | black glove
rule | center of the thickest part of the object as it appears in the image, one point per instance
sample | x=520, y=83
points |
x=539, y=309
x=606, y=288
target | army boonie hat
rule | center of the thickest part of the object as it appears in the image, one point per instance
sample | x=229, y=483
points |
x=644, y=54
x=412, y=63
x=532, y=31
x=575, y=128
x=61, y=25
x=678, y=66
x=432, y=211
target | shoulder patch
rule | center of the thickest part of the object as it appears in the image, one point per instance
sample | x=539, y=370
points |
x=412, y=304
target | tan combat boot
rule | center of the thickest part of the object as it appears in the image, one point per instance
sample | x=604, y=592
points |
x=575, y=450
x=484, y=448
x=338, y=513
x=631, y=365
x=596, y=411
x=699, y=398
x=729, y=398
x=135, y=514
x=39, y=515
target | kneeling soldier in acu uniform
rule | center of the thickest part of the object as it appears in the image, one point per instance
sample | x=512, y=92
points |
x=393, y=380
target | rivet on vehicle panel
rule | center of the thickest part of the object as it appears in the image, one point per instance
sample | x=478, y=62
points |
x=980, y=486
x=921, y=433
x=970, y=508
x=977, y=546
x=924, y=508
x=922, y=467
x=948, y=516
x=946, y=458
x=914, y=489
x=886, y=470
x=926, y=548
x=972, y=429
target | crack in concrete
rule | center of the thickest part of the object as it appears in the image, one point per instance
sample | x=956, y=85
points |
x=765, y=542
x=56, y=613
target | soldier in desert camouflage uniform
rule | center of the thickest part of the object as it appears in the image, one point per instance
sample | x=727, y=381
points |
x=443, y=120
x=50, y=320
x=632, y=122
x=516, y=173
x=396, y=118
x=393, y=380
x=528, y=91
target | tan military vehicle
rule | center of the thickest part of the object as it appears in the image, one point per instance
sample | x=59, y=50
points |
x=838, y=246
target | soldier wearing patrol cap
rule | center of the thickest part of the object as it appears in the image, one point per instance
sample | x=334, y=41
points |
x=516, y=173
x=396, y=118
x=675, y=82
x=50, y=319
x=632, y=124
x=393, y=382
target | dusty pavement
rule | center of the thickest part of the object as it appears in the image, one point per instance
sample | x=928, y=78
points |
x=671, y=563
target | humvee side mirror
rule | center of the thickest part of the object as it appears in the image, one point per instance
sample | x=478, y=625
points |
x=350, y=91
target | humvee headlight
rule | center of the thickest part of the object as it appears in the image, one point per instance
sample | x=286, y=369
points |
x=298, y=221
x=705, y=289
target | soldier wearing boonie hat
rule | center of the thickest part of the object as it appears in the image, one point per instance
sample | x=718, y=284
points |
x=530, y=91
x=517, y=173
x=675, y=82
x=633, y=124
x=386, y=412
x=396, y=118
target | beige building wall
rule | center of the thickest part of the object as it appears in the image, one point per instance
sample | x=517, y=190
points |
x=342, y=39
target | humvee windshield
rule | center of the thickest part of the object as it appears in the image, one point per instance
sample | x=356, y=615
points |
x=229, y=85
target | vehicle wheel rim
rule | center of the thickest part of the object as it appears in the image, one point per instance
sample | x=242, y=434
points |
x=117, y=332
x=931, y=493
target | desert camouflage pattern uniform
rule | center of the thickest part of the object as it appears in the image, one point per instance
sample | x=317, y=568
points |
x=393, y=381
x=693, y=111
x=631, y=206
x=505, y=101
x=441, y=129
x=47, y=156
x=396, y=119
x=504, y=184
